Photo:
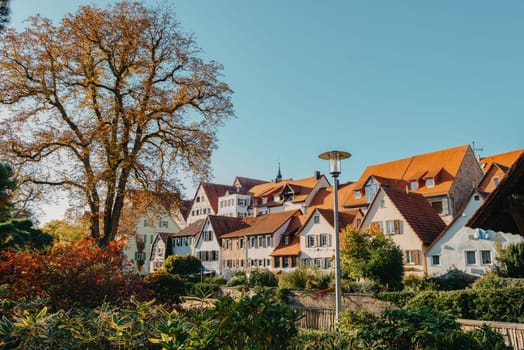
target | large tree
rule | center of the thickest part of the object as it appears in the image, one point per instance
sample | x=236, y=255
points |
x=7, y=185
x=108, y=101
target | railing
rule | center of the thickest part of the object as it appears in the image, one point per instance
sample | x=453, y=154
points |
x=324, y=319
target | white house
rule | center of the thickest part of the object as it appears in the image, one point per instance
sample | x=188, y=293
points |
x=205, y=201
x=317, y=240
x=409, y=220
x=183, y=241
x=208, y=244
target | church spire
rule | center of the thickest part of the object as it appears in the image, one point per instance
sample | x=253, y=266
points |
x=279, y=174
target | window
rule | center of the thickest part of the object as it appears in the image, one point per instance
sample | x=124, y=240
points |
x=261, y=242
x=435, y=260
x=177, y=242
x=310, y=241
x=227, y=244
x=382, y=203
x=241, y=243
x=412, y=257
x=393, y=226
x=140, y=256
x=470, y=258
x=306, y=262
x=163, y=223
x=269, y=242
x=268, y=262
x=496, y=181
x=252, y=242
x=264, y=200
x=357, y=194
x=324, y=240
x=208, y=235
x=327, y=263
x=371, y=189
x=316, y=219
x=413, y=185
x=476, y=197
x=430, y=183
x=185, y=242
x=286, y=240
x=198, y=199
x=293, y=261
x=318, y=262
x=285, y=262
x=440, y=206
x=485, y=257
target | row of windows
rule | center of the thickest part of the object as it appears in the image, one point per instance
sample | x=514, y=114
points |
x=259, y=262
x=286, y=261
x=202, y=211
x=231, y=202
x=208, y=255
x=261, y=241
x=184, y=241
x=323, y=263
x=161, y=223
x=143, y=238
x=227, y=244
x=390, y=226
x=319, y=240
x=233, y=263
x=470, y=257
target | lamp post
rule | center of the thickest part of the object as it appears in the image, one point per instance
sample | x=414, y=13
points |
x=334, y=158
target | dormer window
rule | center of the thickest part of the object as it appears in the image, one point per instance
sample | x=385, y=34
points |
x=496, y=181
x=413, y=185
x=371, y=189
x=277, y=198
x=430, y=183
x=357, y=194
x=286, y=240
x=264, y=200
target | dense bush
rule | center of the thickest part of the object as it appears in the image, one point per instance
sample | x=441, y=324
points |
x=262, y=278
x=306, y=277
x=505, y=305
x=81, y=274
x=396, y=298
x=415, y=283
x=249, y=323
x=510, y=261
x=204, y=290
x=183, y=265
x=493, y=281
x=238, y=278
x=164, y=287
x=317, y=340
x=453, y=280
x=421, y=329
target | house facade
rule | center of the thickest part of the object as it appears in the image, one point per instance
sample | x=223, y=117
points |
x=409, y=220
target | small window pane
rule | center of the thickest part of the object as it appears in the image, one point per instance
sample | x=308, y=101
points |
x=470, y=258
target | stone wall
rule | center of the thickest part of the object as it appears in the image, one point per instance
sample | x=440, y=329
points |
x=316, y=299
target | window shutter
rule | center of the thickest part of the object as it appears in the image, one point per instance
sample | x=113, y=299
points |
x=417, y=257
x=396, y=223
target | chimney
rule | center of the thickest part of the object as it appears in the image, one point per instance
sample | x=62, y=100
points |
x=316, y=174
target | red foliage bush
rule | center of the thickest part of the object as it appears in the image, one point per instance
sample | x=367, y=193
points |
x=78, y=275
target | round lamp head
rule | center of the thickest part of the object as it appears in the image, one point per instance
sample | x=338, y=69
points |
x=334, y=158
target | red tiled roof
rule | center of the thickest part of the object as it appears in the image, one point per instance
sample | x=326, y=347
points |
x=418, y=213
x=444, y=163
x=345, y=218
x=265, y=224
x=324, y=197
x=269, y=188
x=213, y=191
x=247, y=183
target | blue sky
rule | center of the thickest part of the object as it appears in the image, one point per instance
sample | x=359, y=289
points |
x=380, y=79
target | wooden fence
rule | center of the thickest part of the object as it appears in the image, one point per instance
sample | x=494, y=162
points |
x=324, y=319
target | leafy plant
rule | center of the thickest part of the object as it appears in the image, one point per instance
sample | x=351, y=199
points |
x=262, y=278
x=183, y=265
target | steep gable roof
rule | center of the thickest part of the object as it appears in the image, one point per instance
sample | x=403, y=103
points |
x=505, y=160
x=265, y=224
x=191, y=230
x=213, y=191
x=345, y=218
x=225, y=224
x=443, y=164
x=246, y=183
x=293, y=247
x=301, y=185
x=418, y=213
x=503, y=210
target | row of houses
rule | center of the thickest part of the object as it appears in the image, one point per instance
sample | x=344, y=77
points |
x=424, y=203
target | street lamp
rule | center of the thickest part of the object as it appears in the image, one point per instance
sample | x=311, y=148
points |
x=334, y=158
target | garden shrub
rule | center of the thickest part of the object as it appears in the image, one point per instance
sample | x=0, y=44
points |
x=238, y=278
x=182, y=265
x=416, y=284
x=306, y=277
x=504, y=305
x=422, y=329
x=165, y=288
x=218, y=280
x=262, y=278
x=317, y=340
x=453, y=280
x=82, y=274
x=204, y=290
x=491, y=280
x=510, y=261
x=396, y=298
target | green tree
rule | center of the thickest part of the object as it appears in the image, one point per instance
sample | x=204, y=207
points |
x=20, y=234
x=7, y=185
x=66, y=232
x=182, y=265
x=4, y=13
x=371, y=255
x=510, y=261
x=121, y=93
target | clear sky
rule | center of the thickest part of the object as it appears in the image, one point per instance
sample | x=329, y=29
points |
x=380, y=79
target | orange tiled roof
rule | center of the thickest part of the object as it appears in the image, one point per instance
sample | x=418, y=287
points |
x=505, y=159
x=293, y=248
x=324, y=197
x=345, y=218
x=418, y=213
x=269, y=188
x=265, y=224
x=443, y=165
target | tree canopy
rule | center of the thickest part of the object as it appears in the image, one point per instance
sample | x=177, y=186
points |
x=7, y=185
x=108, y=101
x=371, y=255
